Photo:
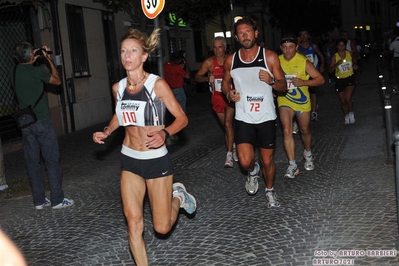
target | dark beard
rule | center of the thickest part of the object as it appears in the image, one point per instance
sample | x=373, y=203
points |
x=250, y=45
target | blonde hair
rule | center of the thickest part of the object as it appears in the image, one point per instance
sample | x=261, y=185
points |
x=149, y=44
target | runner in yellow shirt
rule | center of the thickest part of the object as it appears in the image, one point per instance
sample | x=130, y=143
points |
x=296, y=101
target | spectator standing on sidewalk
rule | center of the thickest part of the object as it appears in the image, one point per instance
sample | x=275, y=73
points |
x=140, y=100
x=344, y=65
x=175, y=71
x=296, y=101
x=256, y=72
x=211, y=71
x=316, y=57
x=394, y=47
x=40, y=139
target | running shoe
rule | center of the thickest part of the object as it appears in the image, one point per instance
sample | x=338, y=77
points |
x=309, y=165
x=46, y=203
x=271, y=198
x=292, y=171
x=347, y=119
x=314, y=116
x=187, y=201
x=351, y=117
x=235, y=155
x=295, y=128
x=65, y=203
x=252, y=184
x=229, y=161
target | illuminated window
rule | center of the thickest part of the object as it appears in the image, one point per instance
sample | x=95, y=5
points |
x=228, y=34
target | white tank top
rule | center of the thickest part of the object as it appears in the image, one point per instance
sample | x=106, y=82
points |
x=256, y=104
x=143, y=108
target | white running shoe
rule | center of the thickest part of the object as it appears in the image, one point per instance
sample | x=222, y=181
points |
x=187, y=201
x=314, y=116
x=65, y=203
x=309, y=165
x=46, y=203
x=271, y=198
x=229, y=161
x=292, y=171
x=252, y=184
x=351, y=117
x=347, y=119
x=295, y=128
x=235, y=155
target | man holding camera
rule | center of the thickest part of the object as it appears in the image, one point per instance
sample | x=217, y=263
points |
x=39, y=138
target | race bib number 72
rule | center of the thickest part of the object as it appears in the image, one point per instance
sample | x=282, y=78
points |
x=253, y=103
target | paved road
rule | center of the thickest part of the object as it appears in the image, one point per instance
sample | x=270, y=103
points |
x=347, y=203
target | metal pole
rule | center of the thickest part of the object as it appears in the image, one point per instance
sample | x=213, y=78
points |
x=159, y=49
x=232, y=26
x=380, y=81
x=388, y=128
x=397, y=178
x=382, y=93
x=383, y=89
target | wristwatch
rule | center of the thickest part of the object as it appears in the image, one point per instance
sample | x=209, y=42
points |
x=274, y=81
x=166, y=133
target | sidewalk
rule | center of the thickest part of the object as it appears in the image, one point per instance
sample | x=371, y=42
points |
x=347, y=203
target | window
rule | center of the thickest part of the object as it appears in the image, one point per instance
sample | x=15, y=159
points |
x=228, y=34
x=77, y=41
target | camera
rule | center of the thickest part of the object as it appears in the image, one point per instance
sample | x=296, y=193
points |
x=40, y=52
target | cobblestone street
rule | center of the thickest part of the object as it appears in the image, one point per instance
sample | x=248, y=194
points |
x=347, y=203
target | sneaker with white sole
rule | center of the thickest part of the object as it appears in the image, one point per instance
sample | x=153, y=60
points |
x=46, y=203
x=187, y=201
x=295, y=128
x=65, y=203
x=229, y=161
x=347, y=119
x=252, y=184
x=314, y=116
x=292, y=171
x=351, y=118
x=271, y=198
x=235, y=155
x=309, y=165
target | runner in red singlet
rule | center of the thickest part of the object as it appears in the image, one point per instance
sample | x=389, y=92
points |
x=213, y=66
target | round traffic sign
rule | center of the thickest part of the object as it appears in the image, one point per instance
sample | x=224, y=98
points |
x=152, y=8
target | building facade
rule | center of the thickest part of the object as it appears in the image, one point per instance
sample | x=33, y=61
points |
x=84, y=37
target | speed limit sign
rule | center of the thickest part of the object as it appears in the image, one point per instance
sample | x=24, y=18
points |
x=152, y=8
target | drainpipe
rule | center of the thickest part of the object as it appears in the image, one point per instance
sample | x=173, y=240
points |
x=58, y=52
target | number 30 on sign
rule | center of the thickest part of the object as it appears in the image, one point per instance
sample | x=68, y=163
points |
x=152, y=8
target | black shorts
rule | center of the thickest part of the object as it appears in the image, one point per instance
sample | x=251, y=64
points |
x=263, y=134
x=148, y=168
x=341, y=84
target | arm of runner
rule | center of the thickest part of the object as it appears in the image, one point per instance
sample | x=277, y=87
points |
x=273, y=63
x=98, y=137
x=230, y=93
x=200, y=76
x=317, y=77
